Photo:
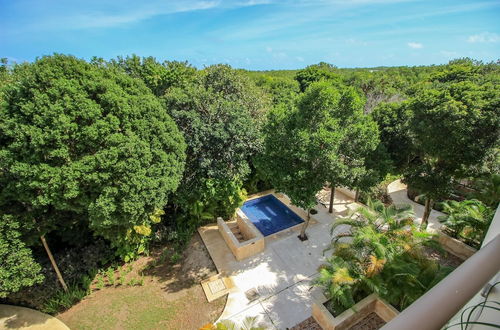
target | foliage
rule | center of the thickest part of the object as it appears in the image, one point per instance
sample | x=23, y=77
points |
x=488, y=190
x=315, y=73
x=468, y=220
x=409, y=276
x=249, y=323
x=298, y=144
x=220, y=117
x=158, y=77
x=63, y=300
x=282, y=90
x=358, y=163
x=444, y=131
x=18, y=268
x=374, y=243
x=86, y=144
x=77, y=265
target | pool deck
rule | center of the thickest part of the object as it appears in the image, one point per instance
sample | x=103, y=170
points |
x=282, y=274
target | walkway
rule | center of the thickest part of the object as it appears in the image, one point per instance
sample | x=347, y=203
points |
x=15, y=317
x=281, y=275
x=397, y=191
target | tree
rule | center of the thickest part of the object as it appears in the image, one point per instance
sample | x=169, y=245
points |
x=290, y=160
x=220, y=115
x=299, y=145
x=81, y=143
x=315, y=73
x=157, y=76
x=357, y=135
x=18, y=269
x=453, y=126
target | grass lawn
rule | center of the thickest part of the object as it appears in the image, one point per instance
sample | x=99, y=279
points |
x=171, y=297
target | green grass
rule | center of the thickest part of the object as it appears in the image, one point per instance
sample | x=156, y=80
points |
x=130, y=308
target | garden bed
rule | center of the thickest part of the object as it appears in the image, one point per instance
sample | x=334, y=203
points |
x=352, y=316
x=455, y=246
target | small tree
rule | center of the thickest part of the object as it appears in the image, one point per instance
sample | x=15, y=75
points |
x=18, y=269
x=220, y=116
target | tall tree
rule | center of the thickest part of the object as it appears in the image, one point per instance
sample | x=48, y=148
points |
x=444, y=131
x=87, y=144
x=315, y=73
x=220, y=116
x=453, y=127
x=357, y=134
x=290, y=160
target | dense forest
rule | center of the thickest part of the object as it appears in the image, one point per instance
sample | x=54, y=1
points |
x=101, y=160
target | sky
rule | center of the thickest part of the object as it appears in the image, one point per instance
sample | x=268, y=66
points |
x=255, y=34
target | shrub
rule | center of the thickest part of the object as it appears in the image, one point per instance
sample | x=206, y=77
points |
x=370, y=256
x=468, y=220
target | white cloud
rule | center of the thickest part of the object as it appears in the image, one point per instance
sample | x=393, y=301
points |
x=449, y=54
x=415, y=45
x=300, y=58
x=484, y=37
x=97, y=15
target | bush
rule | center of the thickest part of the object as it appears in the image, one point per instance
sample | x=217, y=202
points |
x=78, y=265
x=382, y=252
x=468, y=221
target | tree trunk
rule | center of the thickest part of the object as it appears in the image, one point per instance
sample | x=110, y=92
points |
x=53, y=262
x=356, y=196
x=303, y=235
x=427, y=213
x=332, y=196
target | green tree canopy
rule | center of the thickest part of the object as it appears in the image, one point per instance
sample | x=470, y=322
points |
x=220, y=115
x=81, y=142
x=157, y=76
x=444, y=132
x=317, y=72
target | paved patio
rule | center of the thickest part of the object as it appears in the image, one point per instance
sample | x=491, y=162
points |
x=398, y=192
x=281, y=275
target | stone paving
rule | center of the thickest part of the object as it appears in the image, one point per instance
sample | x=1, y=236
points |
x=398, y=193
x=280, y=277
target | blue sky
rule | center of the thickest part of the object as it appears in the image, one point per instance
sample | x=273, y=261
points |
x=255, y=34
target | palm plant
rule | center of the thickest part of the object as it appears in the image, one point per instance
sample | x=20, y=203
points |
x=376, y=236
x=382, y=231
x=409, y=276
x=467, y=220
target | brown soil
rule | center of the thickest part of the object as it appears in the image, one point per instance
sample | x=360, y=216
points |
x=307, y=324
x=371, y=322
x=444, y=258
x=170, y=298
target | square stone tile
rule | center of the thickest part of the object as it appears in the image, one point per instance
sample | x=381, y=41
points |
x=256, y=311
x=287, y=309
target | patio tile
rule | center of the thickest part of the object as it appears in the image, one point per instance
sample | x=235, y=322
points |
x=287, y=309
x=257, y=311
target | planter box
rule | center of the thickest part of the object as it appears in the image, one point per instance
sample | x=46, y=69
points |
x=455, y=246
x=251, y=240
x=371, y=304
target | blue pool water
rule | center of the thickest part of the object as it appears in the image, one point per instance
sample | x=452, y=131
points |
x=269, y=214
